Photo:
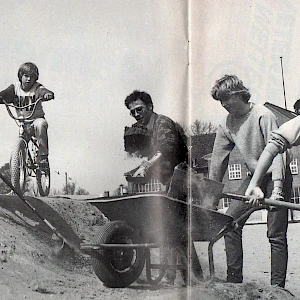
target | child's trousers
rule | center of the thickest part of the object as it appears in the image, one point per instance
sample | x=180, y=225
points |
x=40, y=126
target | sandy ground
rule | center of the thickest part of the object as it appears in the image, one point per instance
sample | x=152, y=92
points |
x=31, y=268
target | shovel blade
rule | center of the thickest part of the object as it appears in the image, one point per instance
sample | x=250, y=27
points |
x=206, y=192
x=202, y=190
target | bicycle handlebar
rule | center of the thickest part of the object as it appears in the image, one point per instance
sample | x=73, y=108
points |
x=22, y=118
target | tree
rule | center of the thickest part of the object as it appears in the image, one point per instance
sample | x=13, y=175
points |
x=69, y=189
x=5, y=170
x=185, y=129
x=81, y=191
x=56, y=192
x=202, y=127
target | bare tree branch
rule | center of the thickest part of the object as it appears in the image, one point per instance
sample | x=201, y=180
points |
x=202, y=127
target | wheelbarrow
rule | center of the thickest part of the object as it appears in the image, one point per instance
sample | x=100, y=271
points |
x=140, y=223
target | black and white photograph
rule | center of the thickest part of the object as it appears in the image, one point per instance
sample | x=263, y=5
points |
x=150, y=149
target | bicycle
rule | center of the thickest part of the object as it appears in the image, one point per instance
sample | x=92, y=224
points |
x=23, y=160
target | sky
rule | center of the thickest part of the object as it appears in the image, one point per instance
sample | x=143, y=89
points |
x=94, y=53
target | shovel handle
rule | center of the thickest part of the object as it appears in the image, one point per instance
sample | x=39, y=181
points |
x=31, y=207
x=265, y=201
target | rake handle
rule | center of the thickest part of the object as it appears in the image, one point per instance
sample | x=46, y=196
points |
x=265, y=201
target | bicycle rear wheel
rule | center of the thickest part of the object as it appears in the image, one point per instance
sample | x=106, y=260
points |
x=42, y=175
x=43, y=181
x=18, y=166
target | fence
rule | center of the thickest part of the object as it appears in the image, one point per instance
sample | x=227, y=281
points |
x=153, y=186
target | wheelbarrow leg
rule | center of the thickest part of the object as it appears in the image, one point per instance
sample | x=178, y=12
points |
x=190, y=267
x=162, y=269
x=223, y=231
x=162, y=266
x=211, y=260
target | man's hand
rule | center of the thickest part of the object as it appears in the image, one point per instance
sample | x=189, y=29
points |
x=255, y=196
x=140, y=172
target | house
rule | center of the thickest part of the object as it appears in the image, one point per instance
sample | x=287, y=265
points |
x=200, y=151
x=237, y=171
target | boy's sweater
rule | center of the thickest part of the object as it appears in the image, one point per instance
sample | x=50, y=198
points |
x=250, y=133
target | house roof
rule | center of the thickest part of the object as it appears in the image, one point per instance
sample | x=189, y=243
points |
x=201, y=146
x=283, y=114
x=131, y=172
x=129, y=177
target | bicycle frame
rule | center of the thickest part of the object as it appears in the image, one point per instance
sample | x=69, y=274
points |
x=25, y=129
x=24, y=157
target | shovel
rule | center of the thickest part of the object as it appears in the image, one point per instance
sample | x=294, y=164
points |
x=53, y=229
x=264, y=201
x=210, y=191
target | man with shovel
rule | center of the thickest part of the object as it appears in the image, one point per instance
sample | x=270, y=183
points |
x=248, y=127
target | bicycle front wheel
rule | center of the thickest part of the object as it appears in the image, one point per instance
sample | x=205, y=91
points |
x=18, y=166
x=43, y=181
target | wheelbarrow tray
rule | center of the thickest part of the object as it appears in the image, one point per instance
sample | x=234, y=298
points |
x=162, y=219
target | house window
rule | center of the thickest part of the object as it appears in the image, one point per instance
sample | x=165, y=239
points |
x=294, y=166
x=194, y=162
x=235, y=171
x=226, y=202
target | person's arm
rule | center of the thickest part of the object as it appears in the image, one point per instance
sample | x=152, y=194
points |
x=45, y=93
x=8, y=94
x=219, y=160
x=283, y=138
x=166, y=145
x=147, y=164
x=220, y=155
x=254, y=190
x=288, y=134
x=268, y=125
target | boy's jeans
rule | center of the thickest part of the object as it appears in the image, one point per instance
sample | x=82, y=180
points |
x=40, y=126
x=277, y=224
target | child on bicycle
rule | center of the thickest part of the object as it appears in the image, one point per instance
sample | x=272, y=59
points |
x=26, y=92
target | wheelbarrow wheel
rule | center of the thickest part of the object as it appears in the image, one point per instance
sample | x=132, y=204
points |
x=117, y=267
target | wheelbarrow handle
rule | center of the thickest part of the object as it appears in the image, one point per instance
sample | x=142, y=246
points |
x=265, y=201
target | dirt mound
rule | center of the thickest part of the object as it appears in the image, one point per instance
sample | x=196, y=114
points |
x=30, y=270
x=83, y=217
